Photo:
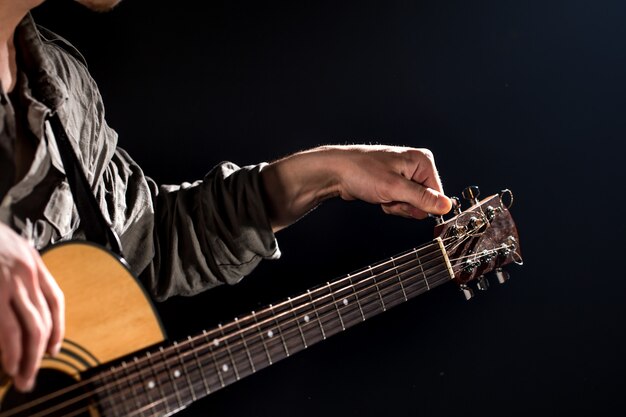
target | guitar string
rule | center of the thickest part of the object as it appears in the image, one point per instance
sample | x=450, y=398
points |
x=389, y=302
x=171, y=395
x=190, y=388
x=409, y=253
x=400, y=264
x=286, y=334
x=358, y=319
x=292, y=310
x=163, y=401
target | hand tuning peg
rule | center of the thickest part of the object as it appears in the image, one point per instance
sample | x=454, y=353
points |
x=502, y=276
x=483, y=283
x=456, y=205
x=471, y=194
x=467, y=292
x=438, y=219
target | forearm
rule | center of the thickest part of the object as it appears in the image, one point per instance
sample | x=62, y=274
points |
x=296, y=184
x=404, y=181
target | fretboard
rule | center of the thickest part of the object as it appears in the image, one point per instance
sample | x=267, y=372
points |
x=165, y=381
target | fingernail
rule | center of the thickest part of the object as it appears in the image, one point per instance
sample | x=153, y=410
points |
x=443, y=203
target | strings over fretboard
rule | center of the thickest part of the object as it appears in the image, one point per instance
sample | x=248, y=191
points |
x=166, y=380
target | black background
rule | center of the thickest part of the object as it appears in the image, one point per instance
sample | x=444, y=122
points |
x=526, y=95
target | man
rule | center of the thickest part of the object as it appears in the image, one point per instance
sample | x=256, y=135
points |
x=177, y=239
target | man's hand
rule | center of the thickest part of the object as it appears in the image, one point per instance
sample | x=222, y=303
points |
x=32, y=310
x=404, y=181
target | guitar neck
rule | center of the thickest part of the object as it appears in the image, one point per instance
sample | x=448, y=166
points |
x=165, y=381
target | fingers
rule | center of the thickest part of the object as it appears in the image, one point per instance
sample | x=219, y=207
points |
x=403, y=210
x=34, y=337
x=56, y=305
x=416, y=200
x=10, y=337
x=424, y=189
x=32, y=317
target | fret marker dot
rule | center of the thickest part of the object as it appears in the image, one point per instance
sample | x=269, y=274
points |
x=270, y=334
x=151, y=384
x=345, y=301
x=225, y=368
x=216, y=342
x=306, y=319
x=176, y=373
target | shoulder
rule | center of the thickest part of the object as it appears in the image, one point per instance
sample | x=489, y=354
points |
x=57, y=45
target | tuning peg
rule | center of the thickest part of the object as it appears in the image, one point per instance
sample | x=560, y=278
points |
x=483, y=283
x=502, y=275
x=438, y=219
x=471, y=194
x=456, y=205
x=467, y=292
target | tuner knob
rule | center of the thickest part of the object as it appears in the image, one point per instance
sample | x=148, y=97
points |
x=483, y=283
x=467, y=292
x=438, y=219
x=456, y=205
x=502, y=275
x=471, y=194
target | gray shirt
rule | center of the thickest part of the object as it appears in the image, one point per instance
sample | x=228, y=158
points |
x=178, y=239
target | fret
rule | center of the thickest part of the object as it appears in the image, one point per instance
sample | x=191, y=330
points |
x=410, y=272
x=258, y=353
x=112, y=390
x=271, y=334
x=367, y=293
x=431, y=262
x=309, y=319
x=419, y=262
x=233, y=364
x=260, y=333
x=296, y=319
x=348, y=303
x=390, y=289
x=127, y=383
x=171, y=377
x=205, y=384
x=289, y=327
x=327, y=311
x=317, y=315
x=245, y=345
x=356, y=296
x=380, y=296
x=185, y=370
x=158, y=384
x=143, y=386
x=343, y=327
x=395, y=267
x=278, y=329
x=215, y=343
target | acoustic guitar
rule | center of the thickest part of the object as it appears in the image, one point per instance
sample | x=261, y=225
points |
x=116, y=360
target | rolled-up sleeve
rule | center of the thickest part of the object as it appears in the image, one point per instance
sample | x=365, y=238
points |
x=178, y=239
x=213, y=231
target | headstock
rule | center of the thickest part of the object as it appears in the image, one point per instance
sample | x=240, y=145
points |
x=481, y=239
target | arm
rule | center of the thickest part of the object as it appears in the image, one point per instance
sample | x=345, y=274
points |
x=403, y=180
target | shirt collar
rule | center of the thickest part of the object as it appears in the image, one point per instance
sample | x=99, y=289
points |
x=36, y=63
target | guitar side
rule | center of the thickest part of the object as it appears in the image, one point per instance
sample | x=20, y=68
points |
x=108, y=313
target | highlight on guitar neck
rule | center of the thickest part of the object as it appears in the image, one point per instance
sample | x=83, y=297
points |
x=480, y=240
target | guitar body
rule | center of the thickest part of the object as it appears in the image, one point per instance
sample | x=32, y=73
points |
x=108, y=313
